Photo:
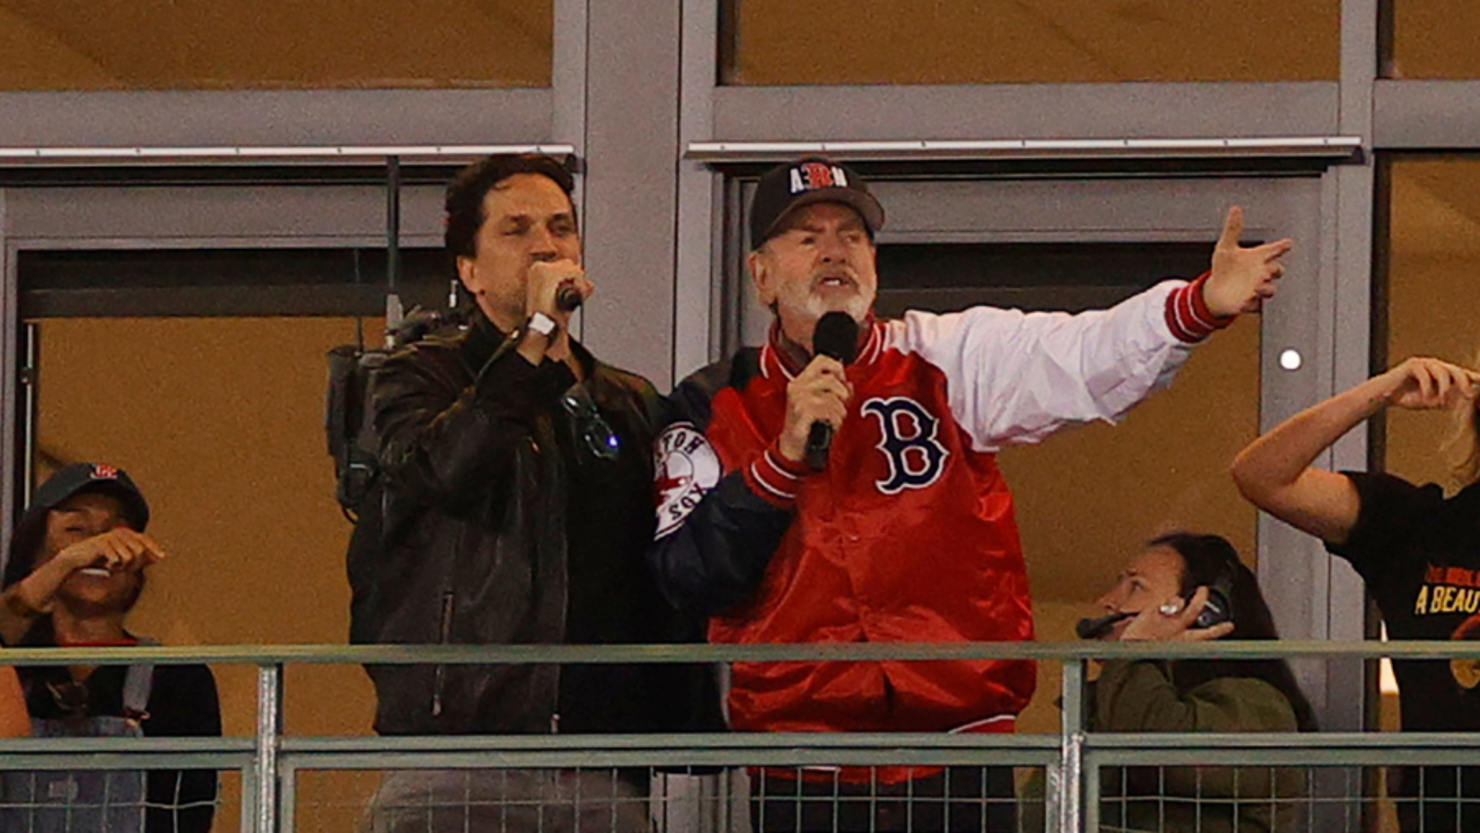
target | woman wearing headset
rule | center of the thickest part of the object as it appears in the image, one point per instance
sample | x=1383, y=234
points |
x=1186, y=587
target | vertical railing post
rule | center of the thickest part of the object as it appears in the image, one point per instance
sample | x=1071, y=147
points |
x=269, y=734
x=1069, y=786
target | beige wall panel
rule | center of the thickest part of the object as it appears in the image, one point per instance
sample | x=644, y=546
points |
x=1434, y=290
x=35, y=60
x=1046, y=41
x=275, y=44
x=1435, y=39
x=1054, y=621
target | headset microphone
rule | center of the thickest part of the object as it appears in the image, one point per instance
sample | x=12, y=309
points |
x=1096, y=628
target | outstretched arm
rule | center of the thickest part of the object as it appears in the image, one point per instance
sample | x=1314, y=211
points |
x=1275, y=473
x=1017, y=377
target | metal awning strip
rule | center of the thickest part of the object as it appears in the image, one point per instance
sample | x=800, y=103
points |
x=1335, y=148
x=276, y=155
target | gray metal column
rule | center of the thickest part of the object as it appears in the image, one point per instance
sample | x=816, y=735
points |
x=1316, y=596
x=568, y=98
x=9, y=381
x=700, y=192
x=568, y=74
x=1313, y=595
x=631, y=144
x=265, y=772
x=1353, y=217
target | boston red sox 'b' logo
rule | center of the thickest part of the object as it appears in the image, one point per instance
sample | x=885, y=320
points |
x=916, y=458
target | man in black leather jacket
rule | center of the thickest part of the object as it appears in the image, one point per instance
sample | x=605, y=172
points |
x=516, y=507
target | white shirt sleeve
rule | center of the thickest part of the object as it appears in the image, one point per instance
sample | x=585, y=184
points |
x=1014, y=378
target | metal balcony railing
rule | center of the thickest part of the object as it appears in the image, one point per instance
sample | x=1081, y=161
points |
x=1072, y=764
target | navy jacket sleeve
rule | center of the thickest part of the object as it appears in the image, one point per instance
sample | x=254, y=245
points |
x=716, y=557
x=715, y=535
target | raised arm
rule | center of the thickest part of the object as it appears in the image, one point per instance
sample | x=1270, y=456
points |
x=1275, y=473
x=1017, y=377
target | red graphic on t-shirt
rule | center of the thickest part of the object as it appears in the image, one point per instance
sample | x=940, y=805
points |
x=1457, y=576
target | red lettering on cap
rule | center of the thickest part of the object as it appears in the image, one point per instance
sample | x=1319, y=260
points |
x=104, y=472
x=817, y=175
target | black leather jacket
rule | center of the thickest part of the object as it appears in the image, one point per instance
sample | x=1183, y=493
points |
x=472, y=541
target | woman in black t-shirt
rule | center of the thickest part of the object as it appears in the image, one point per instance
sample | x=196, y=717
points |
x=1417, y=551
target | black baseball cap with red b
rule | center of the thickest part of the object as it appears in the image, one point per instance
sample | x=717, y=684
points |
x=786, y=188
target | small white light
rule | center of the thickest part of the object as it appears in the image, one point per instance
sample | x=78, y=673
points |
x=1290, y=359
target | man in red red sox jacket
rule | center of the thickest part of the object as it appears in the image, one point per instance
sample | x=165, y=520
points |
x=907, y=533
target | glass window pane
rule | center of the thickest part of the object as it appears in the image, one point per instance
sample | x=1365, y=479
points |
x=1433, y=258
x=766, y=42
x=274, y=44
x=1434, y=39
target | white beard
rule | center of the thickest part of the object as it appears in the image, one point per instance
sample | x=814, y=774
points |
x=857, y=306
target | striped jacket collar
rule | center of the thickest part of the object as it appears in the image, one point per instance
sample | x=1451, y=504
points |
x=777, y=362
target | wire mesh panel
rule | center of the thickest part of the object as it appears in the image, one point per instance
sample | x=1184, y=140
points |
x=1175, y=798
x=534, y=800
x=113, y=800
x=1435, y=798
x=961, y=799
x=1285, y=799
x=668, y=799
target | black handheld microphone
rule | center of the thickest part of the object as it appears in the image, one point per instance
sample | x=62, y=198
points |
x=836, y=336
x=568, y=298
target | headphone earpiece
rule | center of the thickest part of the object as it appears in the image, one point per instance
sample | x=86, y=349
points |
x=1219, y=608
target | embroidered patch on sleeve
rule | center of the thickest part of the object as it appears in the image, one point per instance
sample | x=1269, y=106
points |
x=687, y=467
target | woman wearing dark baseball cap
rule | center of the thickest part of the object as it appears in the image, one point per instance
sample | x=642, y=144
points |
x=75, y=570
x=81, y=542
